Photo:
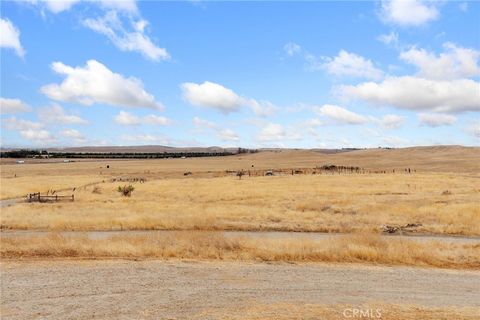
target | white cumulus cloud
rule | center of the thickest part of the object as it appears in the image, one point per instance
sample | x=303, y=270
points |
x=9, y=106
x=392, y=121
x=20, y=124
x=95, y=83
x=10, y=37
x=352, y=65
x=209, y=94
x=456, y=62
x=33, y=131
x=56, y=114
x=342, y=115
x=40, y=136
x=272, y=132
x=409, y=12
x=74, y=136
x=57, y=6
x=128, y=119
x=415, y=93
x=156, y=120
x=72, y=133
x=214, y=95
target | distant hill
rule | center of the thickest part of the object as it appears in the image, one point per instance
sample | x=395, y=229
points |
x=427, y=158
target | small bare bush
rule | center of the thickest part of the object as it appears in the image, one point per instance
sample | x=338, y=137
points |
x=126, y=191
x=97, y=190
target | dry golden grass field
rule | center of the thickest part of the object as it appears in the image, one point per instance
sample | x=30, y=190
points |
x=440, y=199
x=355, y=248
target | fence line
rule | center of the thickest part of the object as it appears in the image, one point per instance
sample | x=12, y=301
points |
x=37, y=197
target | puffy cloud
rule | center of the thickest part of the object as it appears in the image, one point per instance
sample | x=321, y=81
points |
x=391, y=121
x=455, y=62
x=41, y=136
x=418, y=94
x=341, y=115
x=129, y=6
x=72, y=133
x=95, y=83
x=213, y=95
x=391, y=38
x=223, y=134
x=127, y=40
x=74, y=136
x=228, y=135
x=343, y=64
x=351, y=64
x=156, y=120
x=9, y=106
x=56, y=6
x=56, y=114
x=261, y=108
x=436, y=119
x=20, y=124
x=10, y=37
x=408, y=12
x=272, y=132
x=29, y=130
x=314, y=123
x=128, y=119
x=209, y=94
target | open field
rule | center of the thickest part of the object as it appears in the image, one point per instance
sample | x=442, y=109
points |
x=235, y=276
x=221, y=290
x=443, y=203
x=360, y=248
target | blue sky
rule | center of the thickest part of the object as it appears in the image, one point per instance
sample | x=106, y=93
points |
x=252, y=74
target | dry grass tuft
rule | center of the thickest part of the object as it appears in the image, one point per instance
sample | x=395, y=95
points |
x=213, y=245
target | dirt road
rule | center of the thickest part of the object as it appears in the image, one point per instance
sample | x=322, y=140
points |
x=100, y=235
x=178, y=290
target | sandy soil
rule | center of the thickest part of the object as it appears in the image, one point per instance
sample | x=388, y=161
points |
x=178, y=290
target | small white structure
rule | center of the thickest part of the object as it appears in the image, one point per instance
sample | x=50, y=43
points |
x=66, y=161
x=20, y=161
